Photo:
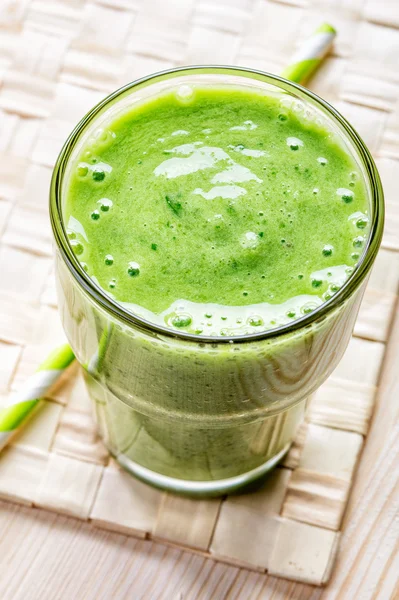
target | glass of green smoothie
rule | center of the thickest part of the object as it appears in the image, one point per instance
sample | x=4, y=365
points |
x=215, y=228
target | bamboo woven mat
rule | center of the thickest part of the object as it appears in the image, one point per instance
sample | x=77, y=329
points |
x=57, y=59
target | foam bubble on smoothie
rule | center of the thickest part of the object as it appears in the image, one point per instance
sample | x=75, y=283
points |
x=327, y=250
x=101, y=139
x=255, y=321
x=358, y=241
x=105, y=204
x=98, y=174
x=184, y=94
x=249, y=240
x=181, y=320
x=294, y=143
x=98, y=170
x=346, y=195
x=133, y=269
x=77, y=247
x=82, y=169
x=309, y=307
x=362, y=222
x=359, y=219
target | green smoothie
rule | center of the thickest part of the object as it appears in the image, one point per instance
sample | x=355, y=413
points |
x=221, y=212
x=216, y=212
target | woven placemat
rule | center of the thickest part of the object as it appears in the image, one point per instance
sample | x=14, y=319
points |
x=57, y=59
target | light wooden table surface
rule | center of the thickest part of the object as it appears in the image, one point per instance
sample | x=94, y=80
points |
x=57, y=59
x=49, y=557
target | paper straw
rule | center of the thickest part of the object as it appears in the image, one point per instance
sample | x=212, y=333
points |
x=306, y=60
x=17, y=408
x=96, y=361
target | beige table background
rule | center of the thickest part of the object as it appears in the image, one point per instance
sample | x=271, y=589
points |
x=57, y=58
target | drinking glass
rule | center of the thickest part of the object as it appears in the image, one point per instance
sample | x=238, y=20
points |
x=190, y=413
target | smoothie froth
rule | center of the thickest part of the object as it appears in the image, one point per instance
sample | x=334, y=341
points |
x=217, y=213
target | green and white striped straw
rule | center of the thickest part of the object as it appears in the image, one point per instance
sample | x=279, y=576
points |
x=309, y=56
x=17, y=408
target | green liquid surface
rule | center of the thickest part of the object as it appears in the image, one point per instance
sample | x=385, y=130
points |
x=216, y=211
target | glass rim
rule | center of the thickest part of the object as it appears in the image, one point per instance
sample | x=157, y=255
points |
x=118, y=311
